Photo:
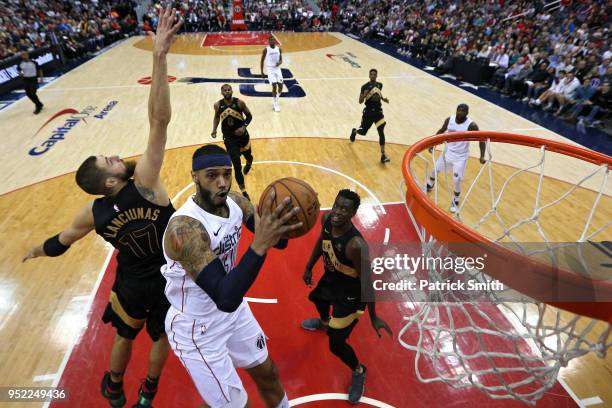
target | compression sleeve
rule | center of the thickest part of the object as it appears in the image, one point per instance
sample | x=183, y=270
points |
x=228, y=289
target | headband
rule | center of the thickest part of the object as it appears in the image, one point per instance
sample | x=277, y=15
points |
x=210, y=160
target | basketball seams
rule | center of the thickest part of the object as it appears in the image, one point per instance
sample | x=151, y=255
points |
x=303, y=184
x=298, y=202
x=311, y=190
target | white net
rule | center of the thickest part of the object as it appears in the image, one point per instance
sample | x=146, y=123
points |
x=499, y=341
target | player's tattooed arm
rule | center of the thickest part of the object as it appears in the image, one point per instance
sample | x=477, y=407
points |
x=186, y=241
x=247, y=207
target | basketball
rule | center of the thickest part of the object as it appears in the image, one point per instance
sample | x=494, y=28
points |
x=301, y=195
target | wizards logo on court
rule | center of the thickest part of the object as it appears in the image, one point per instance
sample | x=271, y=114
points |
x=249, y=80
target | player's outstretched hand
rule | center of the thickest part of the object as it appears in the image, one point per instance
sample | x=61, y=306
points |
x=271, y=226
x=34, y=253
x=378, y=323
x=386, y=100
x=167, y=26
x=308, y=277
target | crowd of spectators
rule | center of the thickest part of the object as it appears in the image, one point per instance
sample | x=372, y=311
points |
x=78, y=27
x=550, y=54
x=278, y=15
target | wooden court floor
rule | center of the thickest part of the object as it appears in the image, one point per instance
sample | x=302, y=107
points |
x=100, y=108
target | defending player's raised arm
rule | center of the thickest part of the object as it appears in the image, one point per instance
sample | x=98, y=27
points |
x=148, y=168
x=82, y=224
x=358, y=252
x=263, y=58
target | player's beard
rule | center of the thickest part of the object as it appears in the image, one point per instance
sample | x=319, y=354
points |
x=130, y=167
x=205, y=199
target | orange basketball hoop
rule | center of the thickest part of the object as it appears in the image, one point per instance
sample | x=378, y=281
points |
x=519, y=355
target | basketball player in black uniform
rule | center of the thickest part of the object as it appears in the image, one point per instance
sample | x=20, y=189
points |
x=132, y=215
x=372, y=112
x=344, y=253
x=234, y=117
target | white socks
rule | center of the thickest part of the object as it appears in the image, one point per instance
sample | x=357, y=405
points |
x=284, y=402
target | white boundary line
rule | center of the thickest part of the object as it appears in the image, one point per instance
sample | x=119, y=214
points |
x=591, y=401
x=68, y=352
x=336, y=396
x=44, y=377
x=570, y=392
x=176, y=83
x=260, y=300
x=387, y=233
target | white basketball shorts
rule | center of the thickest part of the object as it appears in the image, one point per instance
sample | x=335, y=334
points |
x=445, y=162
x=275, y=76
x=211, y=350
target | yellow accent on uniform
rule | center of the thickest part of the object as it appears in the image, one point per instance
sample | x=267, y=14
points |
x=373, y=91
x=230, y=112
x=340, y=267
x=380, y=122
x=245, y=148
x=120, y=311
x=342, y=322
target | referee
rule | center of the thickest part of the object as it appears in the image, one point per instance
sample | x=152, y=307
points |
x=31, y=72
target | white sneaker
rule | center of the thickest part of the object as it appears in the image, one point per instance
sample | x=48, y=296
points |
x=454, y=208
x=276, y=108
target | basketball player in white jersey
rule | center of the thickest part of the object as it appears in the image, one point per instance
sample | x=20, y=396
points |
x=456, y=153
x=209, y=325
x=272, y=57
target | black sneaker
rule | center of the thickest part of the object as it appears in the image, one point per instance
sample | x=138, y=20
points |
x=384, y=158
x=246, y=195
x=429, y=187
x=353, y=134
x=313, y=324
x=38, y=109
x=355, y=391
x=145, y=397
x=247, y=168
x=115, y=398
